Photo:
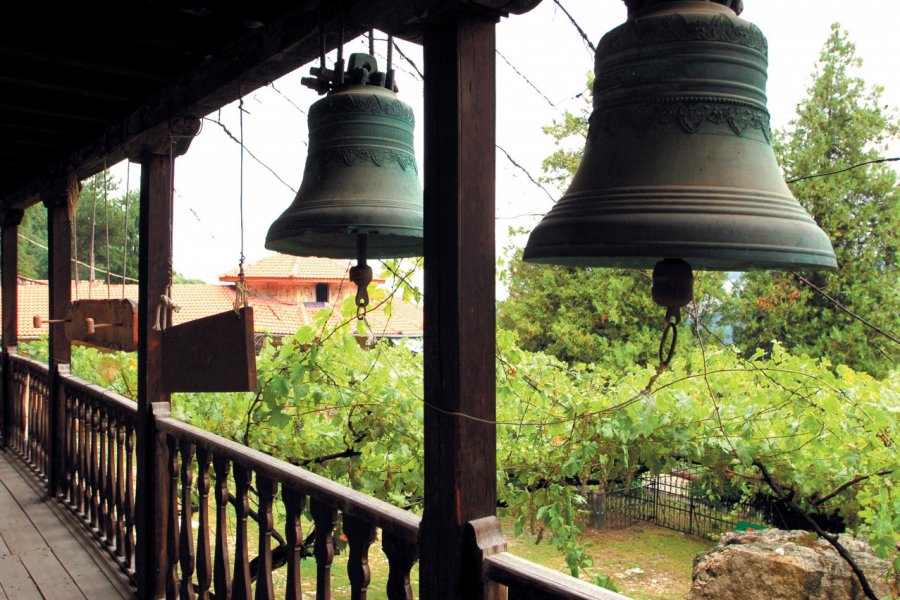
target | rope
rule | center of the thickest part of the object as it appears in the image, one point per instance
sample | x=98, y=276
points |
x=125, y=239
x=241, y=297
x=106, y=209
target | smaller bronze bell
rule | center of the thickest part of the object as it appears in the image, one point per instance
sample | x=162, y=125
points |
x=360, y=178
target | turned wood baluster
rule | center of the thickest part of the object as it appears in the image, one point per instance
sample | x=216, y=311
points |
x=204, y=562
x=186, y=542
x=129, y=496
x=120, y=486
x=29, y=418
x=71, y=432
x=221, y=565
x=293, y=537
x=401, y=556
x=110, y=481
x=82, y=458
x=266, y=489
x=101, y=470
x=171, y=571
x=325, y=518
x=37, y=455
x=45, y=429
x=360, y=536
x=94, y=477
x=241, y=583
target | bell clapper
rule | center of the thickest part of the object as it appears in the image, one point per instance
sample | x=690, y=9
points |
x=361, y=275
x=673, y=287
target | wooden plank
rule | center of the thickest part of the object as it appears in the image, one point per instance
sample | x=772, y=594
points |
x=212, y=354
x=459, y=345
x=16, y=581
x=529, y=581
x=75, y=554
x=18, y=532
x=114, y=323
x=50, y=577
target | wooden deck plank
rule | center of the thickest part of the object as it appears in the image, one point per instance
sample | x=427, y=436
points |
x=17, y=531
x=50, y=548
x=15, y=579
x=50, y=576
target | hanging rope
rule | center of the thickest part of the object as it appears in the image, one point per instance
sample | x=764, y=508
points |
x=241, y=298
x=106, y=209
x=92, y=249
x=74, y=192
x=125, y=235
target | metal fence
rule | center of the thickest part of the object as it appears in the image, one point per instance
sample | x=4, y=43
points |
x=677, y=500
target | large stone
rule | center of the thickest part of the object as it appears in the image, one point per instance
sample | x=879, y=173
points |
x=786, y=565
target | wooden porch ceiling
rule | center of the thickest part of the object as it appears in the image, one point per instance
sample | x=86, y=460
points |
x=78, y=81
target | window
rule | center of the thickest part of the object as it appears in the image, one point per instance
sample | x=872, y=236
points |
x=321, y=292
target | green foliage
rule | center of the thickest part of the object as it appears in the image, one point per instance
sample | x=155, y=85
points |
x=33, y=235
x=99, y=197
x=354, y=415
x=840, y=123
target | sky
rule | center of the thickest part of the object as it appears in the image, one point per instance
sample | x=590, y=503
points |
x=543, y=46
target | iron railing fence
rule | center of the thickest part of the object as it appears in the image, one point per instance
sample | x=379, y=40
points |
x=681, y=500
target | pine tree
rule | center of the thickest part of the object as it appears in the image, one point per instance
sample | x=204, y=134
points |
x=841, y=123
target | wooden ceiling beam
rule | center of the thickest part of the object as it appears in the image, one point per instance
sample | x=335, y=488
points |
x=252, y=61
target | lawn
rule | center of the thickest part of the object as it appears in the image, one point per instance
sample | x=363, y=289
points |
x=664, y=558
x=646, y=562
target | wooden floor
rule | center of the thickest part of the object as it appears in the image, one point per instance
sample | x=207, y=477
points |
x=44, y=553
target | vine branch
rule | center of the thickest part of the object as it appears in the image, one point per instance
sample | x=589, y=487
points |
x=788, y=498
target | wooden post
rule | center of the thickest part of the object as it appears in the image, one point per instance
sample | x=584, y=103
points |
x=156, y=151
x=9, y=222
x=59, y=259
x=460, y=453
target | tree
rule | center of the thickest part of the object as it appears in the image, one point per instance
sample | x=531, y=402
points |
x=841, y=123
x=100, y=202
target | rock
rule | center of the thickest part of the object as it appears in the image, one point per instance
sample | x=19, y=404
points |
x=785, y=565
x=634, y=571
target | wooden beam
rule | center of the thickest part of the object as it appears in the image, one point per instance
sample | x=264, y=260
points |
x=9, y=263
x=460, y=451
x=59, y=255
x=9, y=222
x=155, y=277
x=252, y=61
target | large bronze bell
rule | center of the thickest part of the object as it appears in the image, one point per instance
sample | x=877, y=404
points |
x=679, y=160
x=360, y=177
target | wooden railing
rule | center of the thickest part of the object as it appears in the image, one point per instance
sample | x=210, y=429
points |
x=209, y=544
x=29, y=413
x=212, y=566
x=98, y=478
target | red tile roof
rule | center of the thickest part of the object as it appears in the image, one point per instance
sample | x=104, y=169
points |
x=271, y=315
x=283, y=266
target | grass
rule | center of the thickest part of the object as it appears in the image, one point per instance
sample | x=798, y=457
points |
x=665, y=557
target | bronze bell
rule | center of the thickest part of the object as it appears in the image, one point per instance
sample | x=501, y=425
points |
x=360, y=177
x=679, y=160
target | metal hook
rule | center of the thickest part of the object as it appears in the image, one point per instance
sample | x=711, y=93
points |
x=673, y=318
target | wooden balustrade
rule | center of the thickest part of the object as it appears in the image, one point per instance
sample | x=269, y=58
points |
x=244, y=477
x=30, y=414
x=209, y=551
x=98, y=479
x=98, y=468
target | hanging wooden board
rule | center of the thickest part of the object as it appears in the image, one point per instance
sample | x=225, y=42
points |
x=105, y=324
x=212, y=354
